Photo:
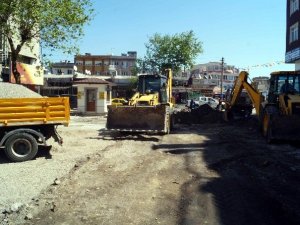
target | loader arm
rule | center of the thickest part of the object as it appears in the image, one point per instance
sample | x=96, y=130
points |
x=149, y=109
x=134, y=99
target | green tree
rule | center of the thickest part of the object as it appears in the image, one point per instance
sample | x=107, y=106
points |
x=57, y=24
x=172, y=51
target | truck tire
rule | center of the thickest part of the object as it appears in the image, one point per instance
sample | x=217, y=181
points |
x=21, y=147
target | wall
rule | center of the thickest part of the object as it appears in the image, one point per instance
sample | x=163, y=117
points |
x=297, y=66
x=101, y=96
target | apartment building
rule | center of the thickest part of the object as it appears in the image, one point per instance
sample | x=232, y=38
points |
x=207, y=77
x=292, y=54
x=106, y=65
x=29, y=65
x=62, y=68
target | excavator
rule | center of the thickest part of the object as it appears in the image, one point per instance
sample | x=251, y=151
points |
x=149, y=110
x=279, y=113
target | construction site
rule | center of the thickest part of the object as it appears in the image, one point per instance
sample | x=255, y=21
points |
x=172, y=136
x=151, y=161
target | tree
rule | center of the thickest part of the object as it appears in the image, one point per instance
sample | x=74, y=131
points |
x=172, y=51
x=57, y=24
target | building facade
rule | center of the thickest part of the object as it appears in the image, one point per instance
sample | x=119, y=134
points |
x=63, y=68
x=93, y=96
x=106, y=65
x=292, y=54
x=207, y=77
x=29, y=64
x=261, y=84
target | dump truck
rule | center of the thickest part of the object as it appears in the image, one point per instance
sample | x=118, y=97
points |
x=149, y=110
x=26, y=123
x=279, y=113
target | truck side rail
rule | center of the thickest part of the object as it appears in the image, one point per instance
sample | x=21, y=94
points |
x=34, y=111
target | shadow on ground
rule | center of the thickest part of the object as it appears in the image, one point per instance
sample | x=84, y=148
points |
x=120, y=136
x=43, y=152
x=256, y=183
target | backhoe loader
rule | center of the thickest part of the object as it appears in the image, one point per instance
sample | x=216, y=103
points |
x=279, y=114
x=149, y=110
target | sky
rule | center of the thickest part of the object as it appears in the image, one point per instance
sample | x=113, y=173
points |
x=248, y=34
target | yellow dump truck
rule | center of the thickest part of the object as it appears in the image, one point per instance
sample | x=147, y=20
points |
x=26, y=123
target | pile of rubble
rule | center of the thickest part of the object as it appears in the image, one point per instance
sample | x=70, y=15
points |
x=201, y=114
x=9, y=90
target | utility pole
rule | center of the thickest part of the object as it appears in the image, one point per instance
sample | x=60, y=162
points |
x=222, y=68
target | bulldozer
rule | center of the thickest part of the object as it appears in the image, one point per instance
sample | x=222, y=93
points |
x=279, y=113
x=149, y=110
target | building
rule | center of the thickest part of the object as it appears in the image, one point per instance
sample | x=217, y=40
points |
x=29, y=64
x=206, y=78
x=63, y=68
x=292, y=54
x=93, y=96
x=106, y=65
x=261, y=84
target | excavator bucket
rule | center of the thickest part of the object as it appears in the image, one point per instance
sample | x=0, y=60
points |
x=154, y=119
x=285, y=127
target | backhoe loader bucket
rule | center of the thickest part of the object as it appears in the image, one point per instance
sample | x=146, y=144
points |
x=139, y=118
x=285, y=127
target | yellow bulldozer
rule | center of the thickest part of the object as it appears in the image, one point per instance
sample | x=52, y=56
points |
x=149, y=110
x=279, y=114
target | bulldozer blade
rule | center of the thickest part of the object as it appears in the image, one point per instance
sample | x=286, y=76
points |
x=285, y=128
x=138, y=118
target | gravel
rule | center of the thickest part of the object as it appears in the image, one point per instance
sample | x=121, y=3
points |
x=22, y=183
x=8, y=90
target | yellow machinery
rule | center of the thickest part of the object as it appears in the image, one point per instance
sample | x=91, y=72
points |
x=279, y=114
x=150, y=108
x=26, y=123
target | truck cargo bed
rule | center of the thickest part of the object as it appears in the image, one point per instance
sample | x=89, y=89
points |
x=33, y=111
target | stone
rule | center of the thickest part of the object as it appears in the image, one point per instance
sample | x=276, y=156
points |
x=29, y=216
x=16, y=207
x=56, y=181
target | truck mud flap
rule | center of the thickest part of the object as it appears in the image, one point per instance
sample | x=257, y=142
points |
x=138, y=118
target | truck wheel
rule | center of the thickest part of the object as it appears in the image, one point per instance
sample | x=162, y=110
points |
x=21, y=147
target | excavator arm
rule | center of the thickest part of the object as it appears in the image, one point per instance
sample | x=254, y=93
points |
x=240, y=84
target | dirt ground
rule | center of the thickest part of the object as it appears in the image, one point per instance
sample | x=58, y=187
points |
x=216, y=173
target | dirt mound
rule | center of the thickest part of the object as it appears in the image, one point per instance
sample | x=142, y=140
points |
x=202, y=114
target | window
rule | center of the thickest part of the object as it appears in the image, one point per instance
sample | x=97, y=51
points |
x=98, y=63
x=294, y=6
x=79, y=63
x=88, y=63
x=70, y=71
x=294, y=32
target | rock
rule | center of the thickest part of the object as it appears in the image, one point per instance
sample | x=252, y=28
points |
x=53, y=207
x=56, y=181
x=29, y=216
x=16, y=207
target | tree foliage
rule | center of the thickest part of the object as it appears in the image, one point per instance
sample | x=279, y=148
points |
x=172, y=51
x=58, y=24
